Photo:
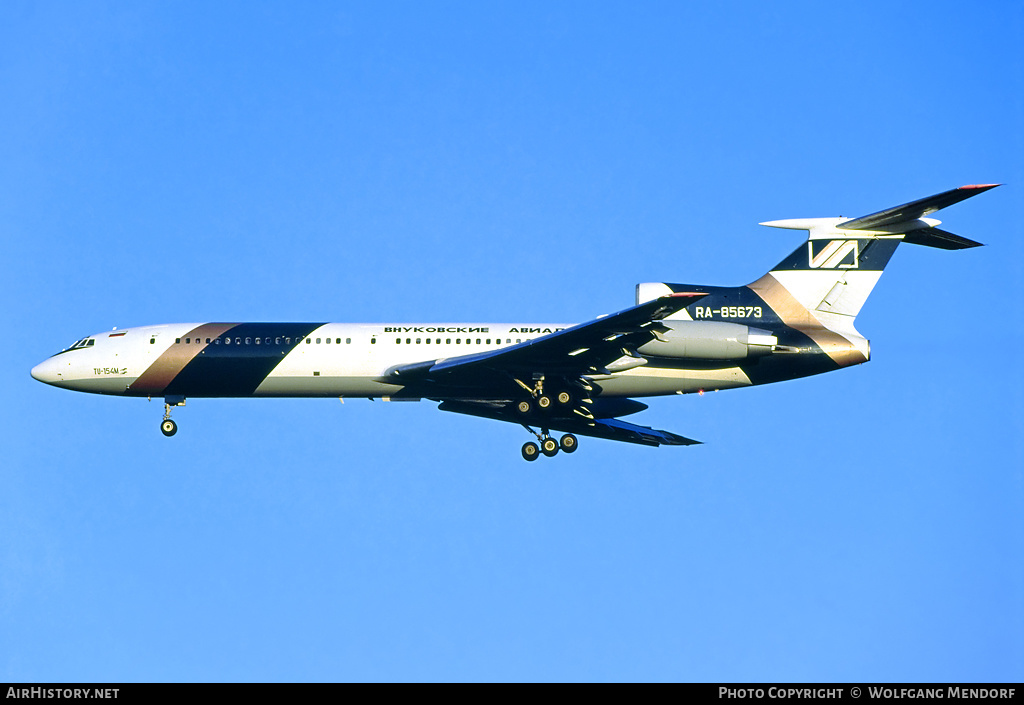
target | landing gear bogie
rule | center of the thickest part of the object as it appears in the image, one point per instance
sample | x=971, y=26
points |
x=547, y=445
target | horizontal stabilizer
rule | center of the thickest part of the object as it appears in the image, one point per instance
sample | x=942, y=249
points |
x=933, y=237
x=916, y=209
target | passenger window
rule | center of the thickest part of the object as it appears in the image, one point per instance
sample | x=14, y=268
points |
x=458, y=341
x=519, y=340
x=238, y=341
x=478, y=341
x=177, y=341
x=318, y=341
x=398, y=341
x=152, y=340
x=227, y=341
x=216, y=341
x=328, y=341
x=373, y=341
x=428, y=341
x=488, y=341
x=248, y=340
x=308, y=341
x=448, y=341
x=417, y=341
x=408, y=341
x=437, y=340
x=348, y=341
x=258, y=341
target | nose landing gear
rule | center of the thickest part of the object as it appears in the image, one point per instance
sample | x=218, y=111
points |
x=167, y=426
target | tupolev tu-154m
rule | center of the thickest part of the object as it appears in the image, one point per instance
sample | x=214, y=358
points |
x=796, y=320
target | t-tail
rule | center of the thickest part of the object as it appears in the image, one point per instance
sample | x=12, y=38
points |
x=813, y=296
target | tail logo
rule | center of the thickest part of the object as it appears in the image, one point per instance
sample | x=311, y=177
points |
x=837, y=254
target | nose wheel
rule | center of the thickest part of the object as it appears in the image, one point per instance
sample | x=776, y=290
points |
x=168, y=427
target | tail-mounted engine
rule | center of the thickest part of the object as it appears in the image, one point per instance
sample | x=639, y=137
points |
x=709, y=340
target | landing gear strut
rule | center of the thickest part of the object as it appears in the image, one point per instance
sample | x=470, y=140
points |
x=167, y=426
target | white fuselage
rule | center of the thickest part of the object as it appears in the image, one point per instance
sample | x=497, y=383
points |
x=332, y=360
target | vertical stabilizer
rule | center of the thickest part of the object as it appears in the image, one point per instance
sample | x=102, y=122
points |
x=833, y=273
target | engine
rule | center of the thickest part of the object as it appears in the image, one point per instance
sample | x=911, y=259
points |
x=710, y=340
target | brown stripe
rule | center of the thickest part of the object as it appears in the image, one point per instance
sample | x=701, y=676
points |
x=157, y=376
x=794, y=315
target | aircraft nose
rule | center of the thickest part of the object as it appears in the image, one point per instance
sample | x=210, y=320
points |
x=46, y=371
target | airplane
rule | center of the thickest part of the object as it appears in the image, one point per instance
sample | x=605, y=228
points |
x=797, y=320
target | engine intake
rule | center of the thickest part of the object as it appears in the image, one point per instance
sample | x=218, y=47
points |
x=710, y=340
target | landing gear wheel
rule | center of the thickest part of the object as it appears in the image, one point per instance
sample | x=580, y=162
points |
x=531, y=451
x=564, y=398
x=549, y=447
x=569, y=443
x=544, y=402
x=168, y=427
x=524, y=407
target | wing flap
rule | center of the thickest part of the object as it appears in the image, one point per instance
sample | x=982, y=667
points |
x=609, y=429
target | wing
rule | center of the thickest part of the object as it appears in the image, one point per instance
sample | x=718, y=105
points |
x=586, y=348
x=503, y=384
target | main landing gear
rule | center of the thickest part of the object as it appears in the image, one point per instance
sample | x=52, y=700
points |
x=548, y=445
x=167, y=426
x=561, y=399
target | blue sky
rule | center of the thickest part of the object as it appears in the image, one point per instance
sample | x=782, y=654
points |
x=507, y=162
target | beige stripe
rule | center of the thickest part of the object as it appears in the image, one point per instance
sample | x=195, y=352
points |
x=794, y=315
x=173, y=360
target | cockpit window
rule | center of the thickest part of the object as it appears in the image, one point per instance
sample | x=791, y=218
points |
x=79, y=344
